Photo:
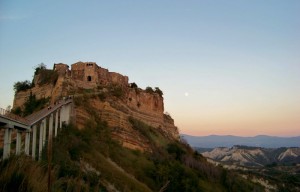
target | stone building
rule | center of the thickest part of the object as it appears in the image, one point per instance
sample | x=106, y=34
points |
x=92, y=74
x=61, y=68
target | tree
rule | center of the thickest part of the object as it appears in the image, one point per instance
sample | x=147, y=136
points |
x=39, y=67
x=133, y=85
x=158, y=91
x=149, y=90
x=17, y=111
x=22, y=86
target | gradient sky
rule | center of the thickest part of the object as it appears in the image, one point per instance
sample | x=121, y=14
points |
x=225, y=67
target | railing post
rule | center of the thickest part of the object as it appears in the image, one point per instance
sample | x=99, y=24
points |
x=27, y=142
x=62, y=116
x=7, y=141
x=42, y=127
x=67, y=113
x=34, y=130
x=50, y=126
x=44, y=122
x=56, y=123
x=18, y=143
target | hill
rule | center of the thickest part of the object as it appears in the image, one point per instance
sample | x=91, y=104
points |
x=119, y=139
x=278, y=168
x=265, y=141
x=254, y=156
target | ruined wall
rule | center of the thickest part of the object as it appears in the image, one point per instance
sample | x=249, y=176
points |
x=119, y=79
x=91, y=75
x=103, y=76
x=77, y=71
x=61, y=69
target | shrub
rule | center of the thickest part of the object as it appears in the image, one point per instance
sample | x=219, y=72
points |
x=158, y=91
x=17, y=111
x=133, y=85
x=22, y=174
x=149, y=90
x=39, y=67
x=117, y=91
x=33, y=104
x=22, y=86
x=176, y=150
x=102, y=96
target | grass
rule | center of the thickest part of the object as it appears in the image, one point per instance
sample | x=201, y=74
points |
x=22, y=174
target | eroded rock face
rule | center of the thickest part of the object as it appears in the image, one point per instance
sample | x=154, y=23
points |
x=121, y=101
x=117, y=113
x=40, y=92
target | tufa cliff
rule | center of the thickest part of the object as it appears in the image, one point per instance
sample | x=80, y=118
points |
x=108, y=95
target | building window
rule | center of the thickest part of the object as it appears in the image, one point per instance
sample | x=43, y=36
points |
x=89, y=78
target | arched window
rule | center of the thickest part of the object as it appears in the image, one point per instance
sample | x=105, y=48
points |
x=89, y=78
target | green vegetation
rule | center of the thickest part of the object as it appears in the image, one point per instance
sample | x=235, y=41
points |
x=31, y=105
x=22, y=86
x=39, y=67
x=117, y=91
x=133, y=85
x=22, y=174
x=158, y=91
x=46, y=76
x=286, y=178
x=149, y=90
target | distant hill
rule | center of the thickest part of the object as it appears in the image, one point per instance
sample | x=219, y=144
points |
x=213, y=141
x=254, y=156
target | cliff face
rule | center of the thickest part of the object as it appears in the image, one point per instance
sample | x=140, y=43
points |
x=110, y=96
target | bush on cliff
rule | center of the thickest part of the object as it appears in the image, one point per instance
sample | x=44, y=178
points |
x=22, y=86
x=149, y=90
x=158, y=91
x=31, y=105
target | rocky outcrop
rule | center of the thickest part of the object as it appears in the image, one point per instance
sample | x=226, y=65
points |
x=117, y=114
x=39, y=91
x=121, y=101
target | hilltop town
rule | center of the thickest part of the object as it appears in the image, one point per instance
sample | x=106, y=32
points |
x=96, y=131
x=109, y=93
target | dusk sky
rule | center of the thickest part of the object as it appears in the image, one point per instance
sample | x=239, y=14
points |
x=226, y=67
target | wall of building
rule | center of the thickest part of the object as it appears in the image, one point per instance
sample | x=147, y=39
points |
x=90, y=72
x=61, y=68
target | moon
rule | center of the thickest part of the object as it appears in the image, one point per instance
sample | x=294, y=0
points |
x=186, y=94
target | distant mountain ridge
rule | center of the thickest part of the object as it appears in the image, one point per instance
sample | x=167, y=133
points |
x=213, y=141
x=254, y=156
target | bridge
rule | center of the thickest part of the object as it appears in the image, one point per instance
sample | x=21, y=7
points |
x=44, y=124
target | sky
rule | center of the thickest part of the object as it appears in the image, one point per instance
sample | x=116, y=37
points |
x=225, y=67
